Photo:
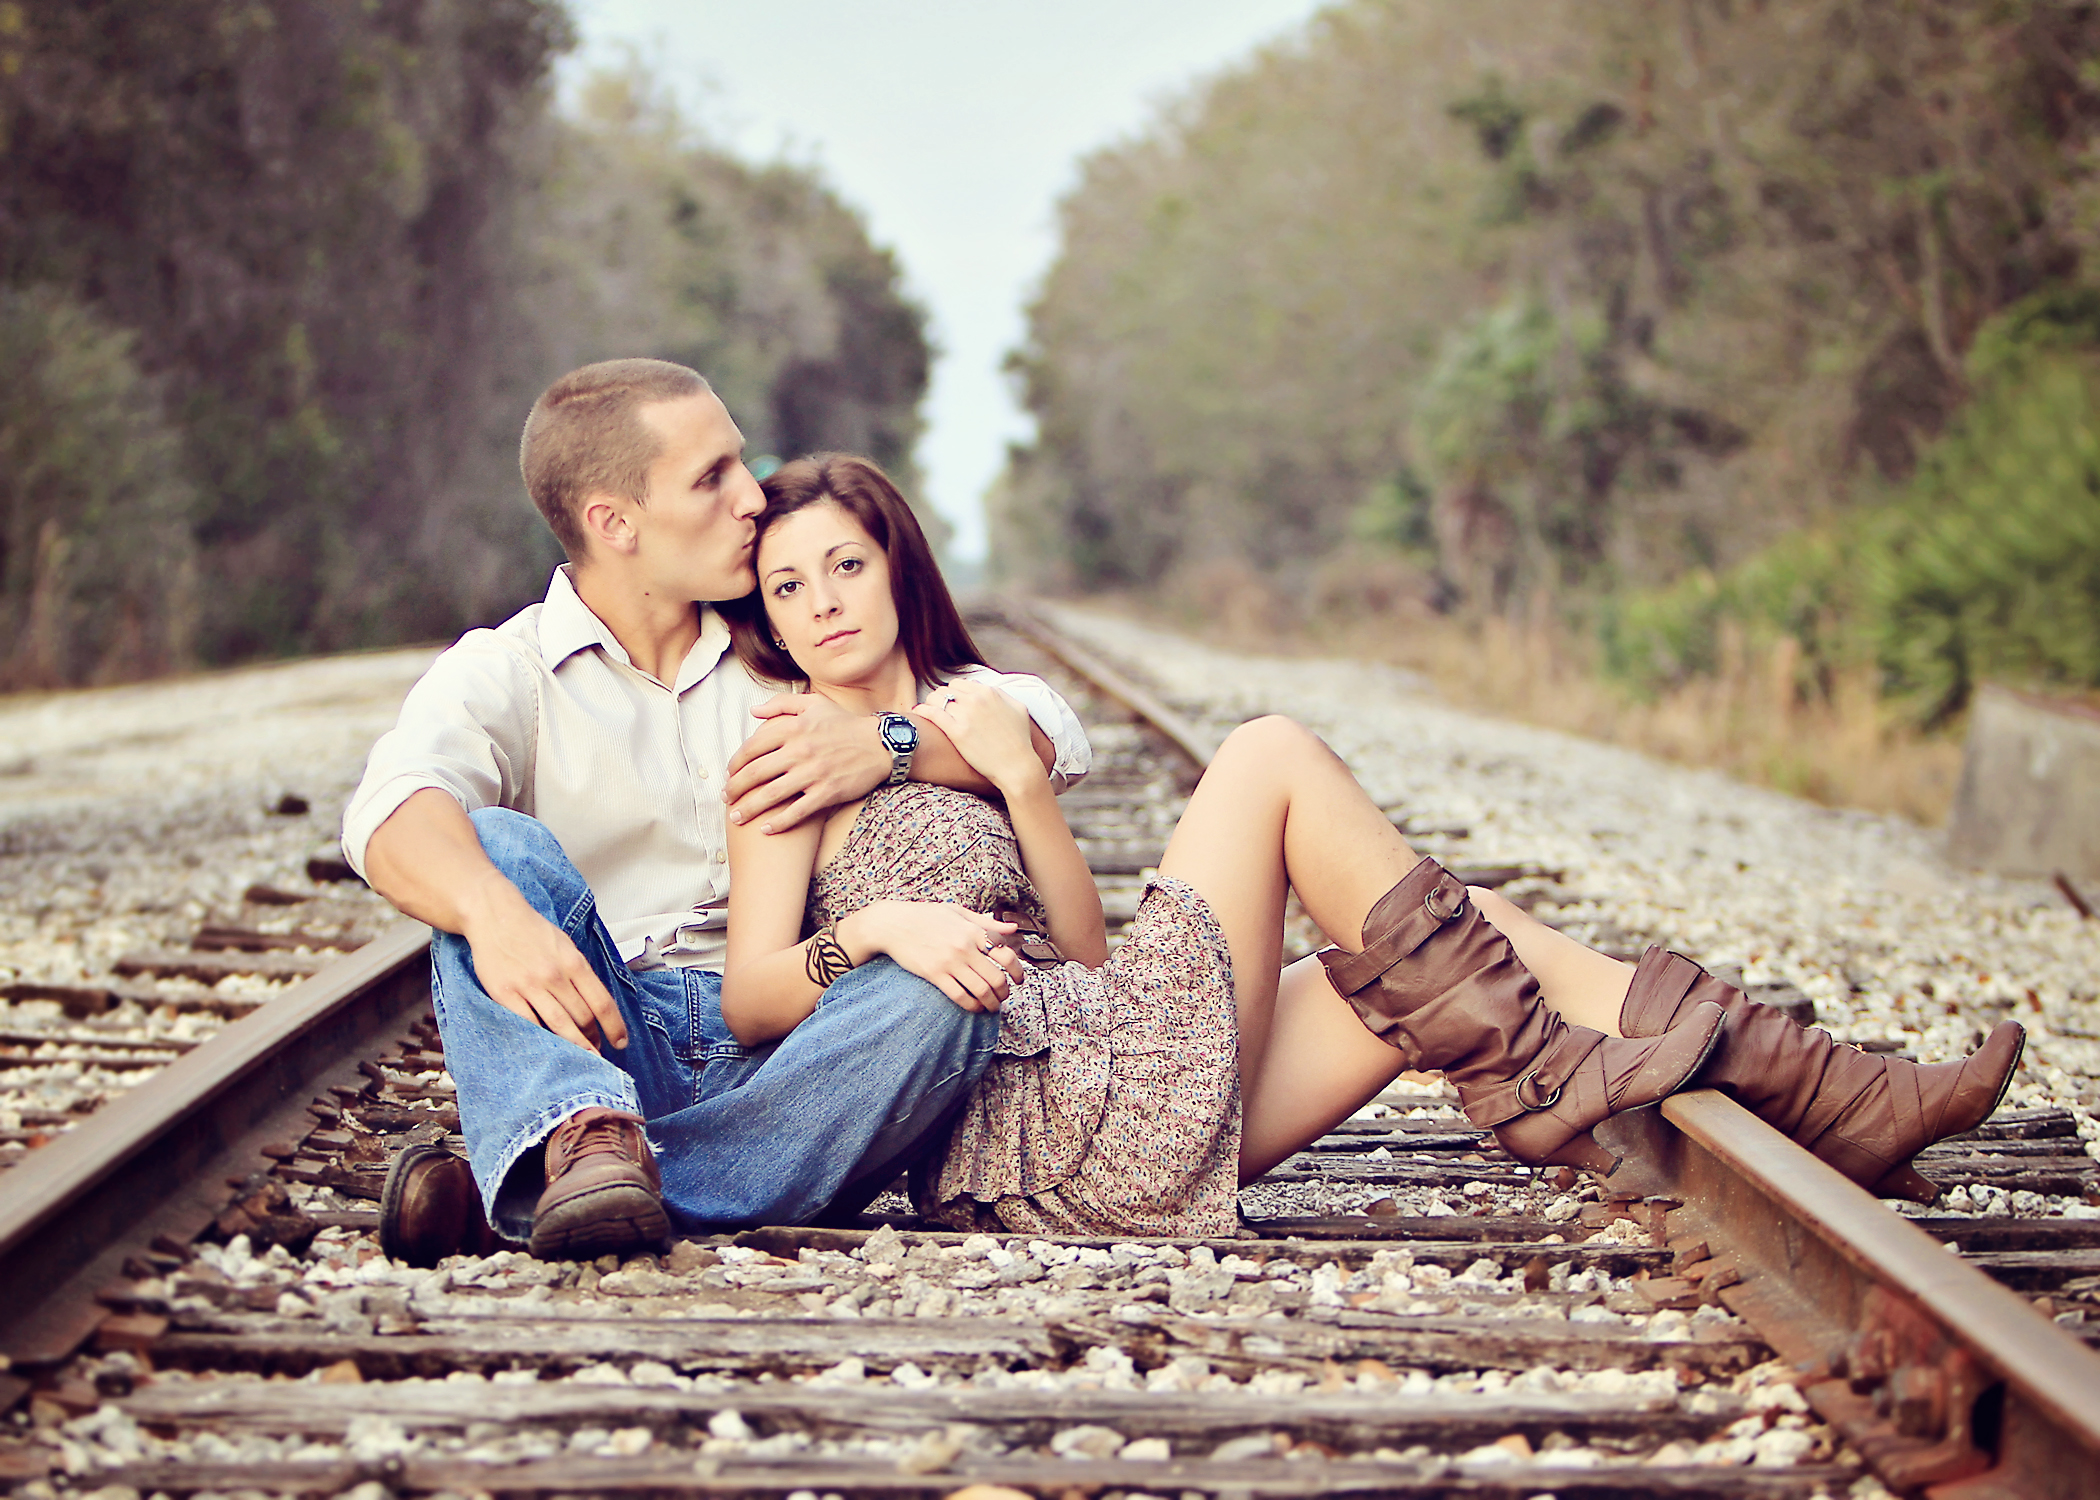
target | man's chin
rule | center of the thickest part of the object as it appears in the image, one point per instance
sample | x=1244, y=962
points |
x=732, y=586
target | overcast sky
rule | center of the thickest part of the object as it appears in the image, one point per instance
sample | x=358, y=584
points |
x=954, y=125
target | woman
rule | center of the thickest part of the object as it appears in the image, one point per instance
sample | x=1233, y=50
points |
x=1134, y=1094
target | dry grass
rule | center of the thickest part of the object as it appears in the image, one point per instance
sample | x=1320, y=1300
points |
x=1844, y=751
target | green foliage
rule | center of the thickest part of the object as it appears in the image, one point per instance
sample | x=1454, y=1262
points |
x=1395, y=514
x=349, y=244
x=302, y=211
x=757, y=275
x=1638, y=290
x=1495, y=117
x=1805, y=587
x=1985, y=565
x=1996, y=571
x=96, y=567
x=1219, y=360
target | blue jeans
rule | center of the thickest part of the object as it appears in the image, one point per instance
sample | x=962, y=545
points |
x=743, y=1135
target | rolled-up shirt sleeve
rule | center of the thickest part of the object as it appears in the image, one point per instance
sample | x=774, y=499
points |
x=467, y=728
x=1047, y=706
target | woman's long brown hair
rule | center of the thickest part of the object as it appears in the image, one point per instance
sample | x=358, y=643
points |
x=929, y=627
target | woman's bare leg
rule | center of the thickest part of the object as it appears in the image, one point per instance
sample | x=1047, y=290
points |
x=1277, y=809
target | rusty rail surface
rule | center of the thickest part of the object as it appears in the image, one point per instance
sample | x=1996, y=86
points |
x=156, y=1162
x=1944, y=1379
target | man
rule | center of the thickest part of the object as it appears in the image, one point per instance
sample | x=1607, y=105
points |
x=553, y=802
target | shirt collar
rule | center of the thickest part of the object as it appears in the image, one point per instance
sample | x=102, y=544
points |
x=568, y=626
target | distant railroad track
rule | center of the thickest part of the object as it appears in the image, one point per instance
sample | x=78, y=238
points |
x=1532, y=1337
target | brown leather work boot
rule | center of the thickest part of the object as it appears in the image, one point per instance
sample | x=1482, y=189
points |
x=1865, y=1114
x=604, y=1195
x=1437, y=981
x=430, y=1208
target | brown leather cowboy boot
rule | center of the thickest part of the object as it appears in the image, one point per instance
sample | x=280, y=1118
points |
x=1865, y=1114
x=430, y=1208
x=1438, y=982
x=604, y=1195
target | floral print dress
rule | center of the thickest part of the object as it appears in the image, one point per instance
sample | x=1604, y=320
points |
x=1112, y=1103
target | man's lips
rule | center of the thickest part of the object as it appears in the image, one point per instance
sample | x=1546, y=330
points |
x=839, y=635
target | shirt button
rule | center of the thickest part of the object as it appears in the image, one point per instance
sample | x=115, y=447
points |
x=721, y=856
x=703, y=773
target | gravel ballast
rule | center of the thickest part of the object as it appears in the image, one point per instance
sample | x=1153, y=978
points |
x=131, y=816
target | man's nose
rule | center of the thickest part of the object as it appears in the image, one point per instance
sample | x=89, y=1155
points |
x=750, y=499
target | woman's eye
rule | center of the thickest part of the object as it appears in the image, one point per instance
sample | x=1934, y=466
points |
x=849, y=565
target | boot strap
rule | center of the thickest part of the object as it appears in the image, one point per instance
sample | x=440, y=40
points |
x=1660, y=982
x=1538, y=1087
x=1443, y=898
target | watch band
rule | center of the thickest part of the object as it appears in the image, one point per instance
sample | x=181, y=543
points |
x=901, y=736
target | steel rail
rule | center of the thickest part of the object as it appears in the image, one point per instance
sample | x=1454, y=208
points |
x=158, y=1160
x=1194, y=743
x=1944, y=1379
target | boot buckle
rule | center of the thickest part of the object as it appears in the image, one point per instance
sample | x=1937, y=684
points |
x=1439, y=913
x=1525, y=1086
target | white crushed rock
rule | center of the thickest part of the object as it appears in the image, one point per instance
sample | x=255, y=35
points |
x=130, y=816
x=1861, y=911
x=343, y=1283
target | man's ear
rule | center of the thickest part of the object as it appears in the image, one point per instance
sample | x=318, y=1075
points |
x=608, y=521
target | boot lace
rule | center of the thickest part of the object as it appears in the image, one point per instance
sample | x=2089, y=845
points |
x=607, y=1135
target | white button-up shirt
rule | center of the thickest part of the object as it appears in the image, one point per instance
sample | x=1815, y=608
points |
x=545, y=714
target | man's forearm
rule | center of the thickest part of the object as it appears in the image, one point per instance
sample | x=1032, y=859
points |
x=938, y=761
x=428, y=861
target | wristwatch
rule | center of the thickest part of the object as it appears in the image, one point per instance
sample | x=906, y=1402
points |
x=900, y=737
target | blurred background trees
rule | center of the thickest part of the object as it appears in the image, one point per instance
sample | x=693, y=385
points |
x=1737, y=352
x=1692, y=330
x=279, y=279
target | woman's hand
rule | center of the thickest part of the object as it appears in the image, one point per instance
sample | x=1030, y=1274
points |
x=962, y=953
x=990, y=731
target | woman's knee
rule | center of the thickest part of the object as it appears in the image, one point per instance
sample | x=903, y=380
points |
x=1275, y=739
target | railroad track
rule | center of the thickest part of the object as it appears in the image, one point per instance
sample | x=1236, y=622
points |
x=194, y=1301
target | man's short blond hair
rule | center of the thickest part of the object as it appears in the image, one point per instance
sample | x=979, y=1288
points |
x=586, y=435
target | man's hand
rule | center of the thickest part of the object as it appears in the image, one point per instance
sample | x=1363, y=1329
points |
x=529, y=967
x=428, y=860
x=806, y=756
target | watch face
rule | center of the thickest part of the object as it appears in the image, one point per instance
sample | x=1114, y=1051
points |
x=899, y=733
